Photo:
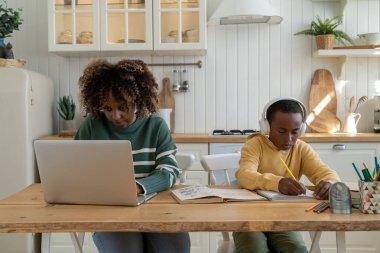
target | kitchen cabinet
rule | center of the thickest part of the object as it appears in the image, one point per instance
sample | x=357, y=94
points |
x=93, y=26
x=61, y=242
x=340, y=156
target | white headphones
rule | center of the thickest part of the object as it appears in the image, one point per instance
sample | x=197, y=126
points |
x=264, y=123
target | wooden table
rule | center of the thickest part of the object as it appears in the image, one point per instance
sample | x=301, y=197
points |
x=26, y=212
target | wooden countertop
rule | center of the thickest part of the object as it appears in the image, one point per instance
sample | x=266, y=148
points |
x=308, y=137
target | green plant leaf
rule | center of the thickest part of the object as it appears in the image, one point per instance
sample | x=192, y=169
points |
x=327, y=26
x=66, y=107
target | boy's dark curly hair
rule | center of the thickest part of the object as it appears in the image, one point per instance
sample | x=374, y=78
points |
x=127, y=81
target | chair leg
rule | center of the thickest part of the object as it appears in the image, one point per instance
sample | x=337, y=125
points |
x=340, y=242
x=45, y=243
x=77, y=240
x=315, y=237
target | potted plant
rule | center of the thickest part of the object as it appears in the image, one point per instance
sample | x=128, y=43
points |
x=326, y=33
x=66, y=109
x=10, y=21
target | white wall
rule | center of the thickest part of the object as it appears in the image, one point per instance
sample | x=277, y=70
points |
x=245, y=66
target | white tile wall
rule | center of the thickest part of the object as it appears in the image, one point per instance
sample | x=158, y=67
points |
x=246, y=65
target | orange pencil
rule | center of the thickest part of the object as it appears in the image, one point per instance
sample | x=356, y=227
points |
x=377, y=177
x=312, y=207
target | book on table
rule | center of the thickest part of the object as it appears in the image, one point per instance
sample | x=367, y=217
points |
x=272, y=195
x=204, y=194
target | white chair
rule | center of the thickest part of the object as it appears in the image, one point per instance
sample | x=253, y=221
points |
x=222, y=162
x=184, y=162
x=225, y=162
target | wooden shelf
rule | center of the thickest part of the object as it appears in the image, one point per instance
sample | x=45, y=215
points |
x=343, y=54
x=347, y=53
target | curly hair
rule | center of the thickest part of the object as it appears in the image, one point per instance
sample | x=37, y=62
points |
x=127, y=81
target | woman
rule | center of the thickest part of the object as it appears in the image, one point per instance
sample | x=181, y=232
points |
x=120, y=100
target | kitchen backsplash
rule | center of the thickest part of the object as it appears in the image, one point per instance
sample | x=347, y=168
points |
x=245, y=65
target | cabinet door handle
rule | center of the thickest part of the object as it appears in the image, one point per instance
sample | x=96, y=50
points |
x=339, y=147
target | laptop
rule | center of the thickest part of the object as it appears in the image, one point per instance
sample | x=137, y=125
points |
x=97, y=172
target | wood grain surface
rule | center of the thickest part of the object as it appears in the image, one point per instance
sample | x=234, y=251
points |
x=168, y=216
x=167, y=100
x=323, y=103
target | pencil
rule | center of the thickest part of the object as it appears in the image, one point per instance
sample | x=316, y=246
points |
x=312, y=207
x=311, y=187
x=357, y=172
x=287, y=169
x=324, y=208
x=366, y=170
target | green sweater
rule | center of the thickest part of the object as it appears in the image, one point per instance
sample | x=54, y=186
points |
x=153, y=148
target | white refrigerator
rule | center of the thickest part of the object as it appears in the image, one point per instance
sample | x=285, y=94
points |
x=26, y=113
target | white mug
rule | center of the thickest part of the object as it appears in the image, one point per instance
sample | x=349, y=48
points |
x=165, y=114
x=351, y=123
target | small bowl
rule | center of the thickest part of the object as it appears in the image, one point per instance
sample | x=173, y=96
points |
x=371, y=38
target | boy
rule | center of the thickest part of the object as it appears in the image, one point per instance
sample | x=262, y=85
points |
x=283, y=121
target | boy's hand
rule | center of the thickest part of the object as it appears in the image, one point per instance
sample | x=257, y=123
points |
x=289, y=186
x=322, y=191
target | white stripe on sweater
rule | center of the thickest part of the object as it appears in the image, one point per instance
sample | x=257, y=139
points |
x=165, y=153
x=144, y=150
x=144, y=163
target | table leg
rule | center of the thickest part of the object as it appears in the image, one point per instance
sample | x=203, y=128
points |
x=77, y=240
x=340, y=242
x=315, y=237
x=45, y=243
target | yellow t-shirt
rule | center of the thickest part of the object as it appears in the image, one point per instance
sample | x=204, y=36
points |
x=260, y=166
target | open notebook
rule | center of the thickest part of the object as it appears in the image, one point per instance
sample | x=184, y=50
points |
x=271, y=195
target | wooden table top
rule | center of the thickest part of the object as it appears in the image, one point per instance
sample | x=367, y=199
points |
x=307, y=137
x=26, y=212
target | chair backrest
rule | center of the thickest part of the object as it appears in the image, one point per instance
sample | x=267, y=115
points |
x=184, y=162
x=220, y=162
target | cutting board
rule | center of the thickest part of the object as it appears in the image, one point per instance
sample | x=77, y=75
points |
x=322, y=86
x=323, y=93
x=166, y=100
x=326, y=122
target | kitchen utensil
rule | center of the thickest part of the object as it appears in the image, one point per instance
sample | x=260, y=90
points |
x=323, y=89
x=323, y=103
x=166, y=100
x=371, y=46
x=325, y=122
x=352, y=103
x=360, y=101
x=352, y=120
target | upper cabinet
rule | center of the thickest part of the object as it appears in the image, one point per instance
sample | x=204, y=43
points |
x=167, y=27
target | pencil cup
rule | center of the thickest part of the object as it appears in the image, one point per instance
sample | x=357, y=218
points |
x=369, y=197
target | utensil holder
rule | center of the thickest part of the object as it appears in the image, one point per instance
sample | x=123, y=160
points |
x=369, y=197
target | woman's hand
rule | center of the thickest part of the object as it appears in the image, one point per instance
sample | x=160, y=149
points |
x=289, y=186
x=322, y=191
x=139, y=189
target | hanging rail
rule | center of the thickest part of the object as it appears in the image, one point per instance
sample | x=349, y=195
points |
x=198, y=63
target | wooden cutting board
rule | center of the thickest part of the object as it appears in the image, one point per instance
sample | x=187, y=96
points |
x=322, y=86
x=166, y=100
x=325, y=122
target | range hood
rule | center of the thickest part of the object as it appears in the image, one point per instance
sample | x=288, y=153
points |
x=245, y=12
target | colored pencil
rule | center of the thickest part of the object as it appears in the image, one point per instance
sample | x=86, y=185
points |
x=327, y=206
x=312, y=207
x=357, y=172
x=287, y=169
x=366, y=173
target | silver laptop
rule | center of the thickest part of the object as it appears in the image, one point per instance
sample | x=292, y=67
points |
x=98, y=172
